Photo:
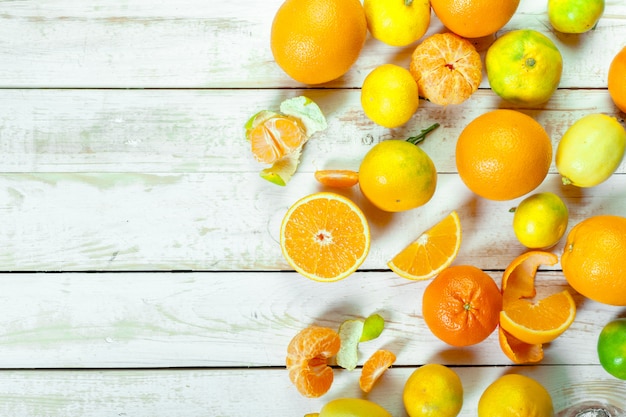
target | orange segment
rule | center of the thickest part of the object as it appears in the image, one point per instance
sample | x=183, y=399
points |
x=533, y=321
x=275, y=138
x=539, y=322
x=447, y=68
x=518, y=351
x=325, y=236
x=307, y=356
x=337, y=178
x=374, y=368
x=432, y=252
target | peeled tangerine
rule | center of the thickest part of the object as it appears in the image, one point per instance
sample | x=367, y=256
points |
x=591, y=150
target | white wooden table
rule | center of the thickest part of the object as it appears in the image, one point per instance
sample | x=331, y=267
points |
x=141, y=273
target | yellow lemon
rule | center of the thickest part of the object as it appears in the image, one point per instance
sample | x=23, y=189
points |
x=433, y=390
x=389, y=95
x=540, y=220
x=590, y=150
x=396, y=175
x=524, y=67
x=574, y=16
x=515, y=395
x=351, y=407
x=397, y=22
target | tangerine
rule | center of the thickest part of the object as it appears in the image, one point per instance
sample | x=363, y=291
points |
x=461, y=306
x=503, y=154
x=617, y=79
x=316, y=41
x=475, y=18
x=515, y=395
x=307, y=360
x=447, y=68
x=594, y=259
x=374, y=367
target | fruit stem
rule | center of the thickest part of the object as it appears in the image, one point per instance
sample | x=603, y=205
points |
x=566, y=181
x=419, y=138
x=408, y=3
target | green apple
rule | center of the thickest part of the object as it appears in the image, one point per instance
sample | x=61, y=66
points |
x=574, y=16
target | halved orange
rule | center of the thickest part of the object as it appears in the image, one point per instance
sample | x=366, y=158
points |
x=537, y=321
x=518, y=351
x=374, y=367
x=432, y=252
x=307, y=360
x=337, y=178
x=325, y=236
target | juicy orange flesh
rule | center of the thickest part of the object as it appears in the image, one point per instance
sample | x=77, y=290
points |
x=275, y=138
x=431, y=250
x=374, y=368
x=518, y=280
x=546, y=314
x=307, y=356
x=325, y=237
x=337, y=178
x=518, y=351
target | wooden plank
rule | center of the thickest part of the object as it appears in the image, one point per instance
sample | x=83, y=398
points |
x=232, y=393
x=189, y=44
x=150, y=320
x=202, y=130
x=152, y=221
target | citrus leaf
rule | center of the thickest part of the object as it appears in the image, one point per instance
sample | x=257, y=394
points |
x=307, y=111
x=350, y=332
x=372, y=327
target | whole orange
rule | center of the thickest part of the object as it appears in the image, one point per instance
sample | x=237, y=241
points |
x=503, y=154
x=617, y=79
x=594, y=259
x=474, y=18
x=316, y=41
x=461, y=306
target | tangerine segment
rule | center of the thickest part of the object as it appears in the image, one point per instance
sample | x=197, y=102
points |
x=539, y=322
x=518, y=351
x=432, y=252
x=374, y=368
x=307, y=356
x=325, y=236
x=337, y=178
x=447, y=68
x=275, y=138
x=518, y=280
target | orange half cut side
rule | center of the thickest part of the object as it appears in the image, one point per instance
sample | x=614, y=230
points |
x=432, y=252
x=325, y=236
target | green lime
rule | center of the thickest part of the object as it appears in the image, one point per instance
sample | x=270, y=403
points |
x=612, y=348
x=574, y=16
x=540, y=220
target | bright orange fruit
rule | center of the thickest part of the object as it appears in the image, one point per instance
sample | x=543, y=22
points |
x=374, y=368
x=325, y=236
x=316, y=41
x=594, y=259
x=307, y=360
x=432, y=252
x=461, y=305
x=337, y=178
x=275, y=137
x=447, y=68
x=475, y=18
x=503, y=154
x=539, y=321
x=617, y=79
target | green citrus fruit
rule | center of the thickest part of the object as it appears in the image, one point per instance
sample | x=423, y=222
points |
x=540, y=220
x=591, y=150
x=524, y=67
x=396, y=175
x=612, y=348
x=397, y=23
x=433, y=390
x=389, y=95
x=574, y=16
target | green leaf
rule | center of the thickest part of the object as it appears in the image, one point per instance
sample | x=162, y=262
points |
x=372, y=327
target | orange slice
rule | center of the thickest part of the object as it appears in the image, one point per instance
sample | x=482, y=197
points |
x=518, y=351
x=337, y=178
x=325, y=236
x=432, y=252
x=374, y=368
x=538, y=321
x=307, y=356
